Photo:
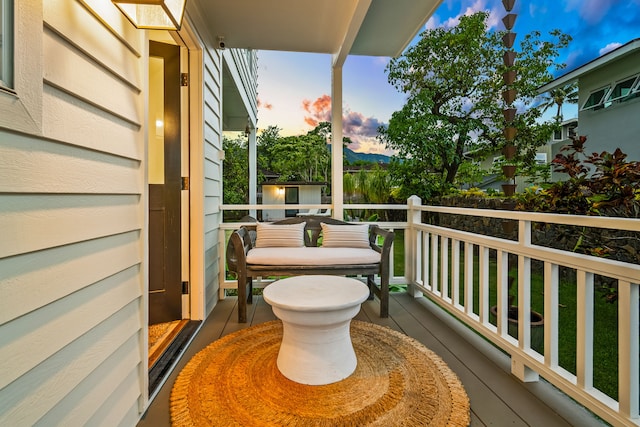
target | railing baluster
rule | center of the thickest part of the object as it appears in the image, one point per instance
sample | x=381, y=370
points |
x=551, y=314
x=426, y=254
x=628, y=344
x=444, y=268
x=502, y=291
x=483, y=290
x=524, y=302
x=584, y=330
x=435, y=239
x=468, y=278
x=455, y=272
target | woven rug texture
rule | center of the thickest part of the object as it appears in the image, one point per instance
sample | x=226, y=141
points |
x=398, y=382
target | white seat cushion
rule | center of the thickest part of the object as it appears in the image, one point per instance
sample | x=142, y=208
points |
x=312, y=256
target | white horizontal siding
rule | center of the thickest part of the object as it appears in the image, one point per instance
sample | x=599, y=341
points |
x=39, y=278
x=40, y=222
x=40, y=166
x=68, y=396
x=212, y=113
x=72, y=214
x=108, y=133
x=75, y=73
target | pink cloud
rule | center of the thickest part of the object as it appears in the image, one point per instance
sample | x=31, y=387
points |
x=265, y=105
x=360, y=129
x=319, y=110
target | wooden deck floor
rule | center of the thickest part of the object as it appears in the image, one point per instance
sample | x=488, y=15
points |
x=497, y=398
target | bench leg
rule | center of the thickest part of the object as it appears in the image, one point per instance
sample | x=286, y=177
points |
x=242, y=298
x=372, y=286
x=384, y=295
x=382, y=292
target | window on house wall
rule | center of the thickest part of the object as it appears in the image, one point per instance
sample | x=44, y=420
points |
x=6, y=43
x=571, y=130
x=557, y=135
x=596, y=99
x=625, y=89
x=541, y=158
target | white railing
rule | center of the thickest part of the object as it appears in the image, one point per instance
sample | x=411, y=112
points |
x=442, y=267
x=439, y=263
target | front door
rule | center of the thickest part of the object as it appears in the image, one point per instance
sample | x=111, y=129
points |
x=165, y=184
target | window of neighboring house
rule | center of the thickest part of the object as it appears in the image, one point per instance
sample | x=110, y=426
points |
x=596, y=99
x=557, y=135
x=6, y=43
x=541, y=158
x=625, y=90
x=571, y=130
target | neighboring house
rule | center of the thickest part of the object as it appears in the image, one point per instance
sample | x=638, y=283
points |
x=544, y=156
x=609, y=100
x=110, y=152
x=282, y=193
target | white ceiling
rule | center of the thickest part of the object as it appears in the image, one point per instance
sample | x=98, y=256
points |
x=349, y=27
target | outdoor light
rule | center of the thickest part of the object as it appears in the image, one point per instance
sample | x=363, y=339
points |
x=153, y=14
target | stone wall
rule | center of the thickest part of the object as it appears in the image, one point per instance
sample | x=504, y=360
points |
x=613, y=244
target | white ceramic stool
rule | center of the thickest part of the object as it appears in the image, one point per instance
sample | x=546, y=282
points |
x=316, y=312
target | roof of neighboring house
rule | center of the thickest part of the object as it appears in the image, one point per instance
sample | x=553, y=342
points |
x=601, y=61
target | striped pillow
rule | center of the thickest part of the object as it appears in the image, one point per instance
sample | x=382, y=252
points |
x=280, y=236
x=345, y=236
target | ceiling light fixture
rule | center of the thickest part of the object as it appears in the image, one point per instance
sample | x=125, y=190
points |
x=153, y=14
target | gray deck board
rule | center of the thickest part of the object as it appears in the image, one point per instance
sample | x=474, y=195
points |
x=497, y=398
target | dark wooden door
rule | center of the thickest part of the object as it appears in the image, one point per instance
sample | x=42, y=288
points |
x=291, y=197
x=165, y=286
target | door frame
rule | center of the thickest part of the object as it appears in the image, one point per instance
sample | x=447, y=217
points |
x=192, y=99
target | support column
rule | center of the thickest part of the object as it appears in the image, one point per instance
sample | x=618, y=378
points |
x=337, y=163
x=253, y=170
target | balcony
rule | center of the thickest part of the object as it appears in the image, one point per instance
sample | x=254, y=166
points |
x=453, y=279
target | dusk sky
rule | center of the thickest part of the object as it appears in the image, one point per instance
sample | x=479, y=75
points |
x=294, y=88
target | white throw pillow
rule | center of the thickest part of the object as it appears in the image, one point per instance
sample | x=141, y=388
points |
x=345, y=236
x=279, y=236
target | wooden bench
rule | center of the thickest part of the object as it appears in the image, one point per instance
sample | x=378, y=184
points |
x=243, y=240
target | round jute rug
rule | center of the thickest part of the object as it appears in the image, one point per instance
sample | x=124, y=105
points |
x=398, y=382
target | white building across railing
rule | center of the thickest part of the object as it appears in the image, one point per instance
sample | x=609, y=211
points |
x=452, y=268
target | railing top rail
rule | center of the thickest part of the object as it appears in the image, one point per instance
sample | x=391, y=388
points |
x=630, y=224
x=314, y=206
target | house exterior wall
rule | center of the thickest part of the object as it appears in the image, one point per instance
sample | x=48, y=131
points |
x=212, y=108
x=307, y=195
x=617, y=125
x=73, y=211
x=72, y=215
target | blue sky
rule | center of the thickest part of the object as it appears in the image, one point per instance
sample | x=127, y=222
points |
x=294, y=88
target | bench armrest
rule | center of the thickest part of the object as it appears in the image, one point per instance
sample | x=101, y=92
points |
x=240, y=242
x=375, y=233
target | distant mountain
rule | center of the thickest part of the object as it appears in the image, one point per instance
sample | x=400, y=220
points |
x=352, y=157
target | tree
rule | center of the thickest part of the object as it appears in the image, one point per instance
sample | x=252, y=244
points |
x=300, y=158
x=235, y=167
x=453, y=79
x=266, y=140
x=558, y=97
